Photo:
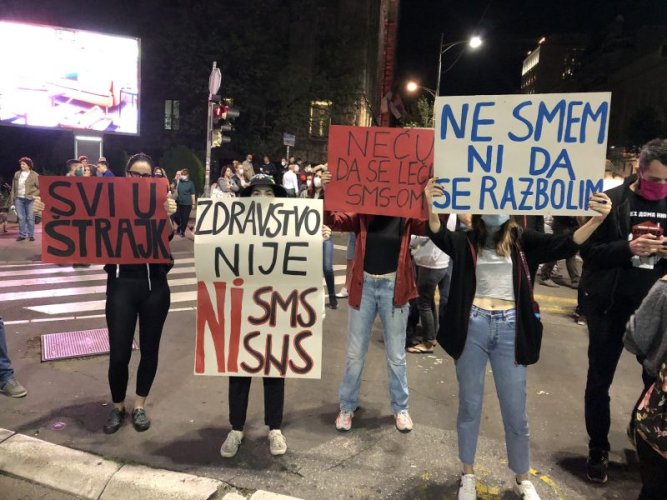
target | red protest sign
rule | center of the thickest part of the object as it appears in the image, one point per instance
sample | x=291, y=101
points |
x=101, y=220
x=378, y=170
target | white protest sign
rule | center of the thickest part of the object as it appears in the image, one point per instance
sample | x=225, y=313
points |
x=520, y=154
x=259, y=287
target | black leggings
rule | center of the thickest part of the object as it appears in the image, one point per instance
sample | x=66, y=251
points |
x=128, y=298
x=183, y=215
x=274, y=399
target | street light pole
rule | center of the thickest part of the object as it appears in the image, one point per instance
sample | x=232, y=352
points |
x=214, y=81
x=474, y=42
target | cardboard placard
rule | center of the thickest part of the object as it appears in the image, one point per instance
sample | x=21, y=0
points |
x=521, y=154
x=259, y=287
x=379, y=170
x=102, y=220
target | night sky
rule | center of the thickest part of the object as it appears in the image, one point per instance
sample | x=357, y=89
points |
x=509, y=28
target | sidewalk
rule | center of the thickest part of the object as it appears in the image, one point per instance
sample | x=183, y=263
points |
x=90, y=476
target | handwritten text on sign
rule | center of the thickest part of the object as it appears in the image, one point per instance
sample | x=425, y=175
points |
x=259, y=287
x=541, y=153
x=379, y=170
x=104, y=220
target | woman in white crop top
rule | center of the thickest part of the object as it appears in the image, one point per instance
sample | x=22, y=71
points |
x=493, y=319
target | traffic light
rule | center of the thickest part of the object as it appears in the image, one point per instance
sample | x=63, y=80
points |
x=223, y=115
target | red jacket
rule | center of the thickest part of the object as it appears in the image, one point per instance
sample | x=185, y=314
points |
x=406, y=288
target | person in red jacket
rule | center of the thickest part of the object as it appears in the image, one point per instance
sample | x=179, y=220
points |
x=382, y=283
x=492, y=317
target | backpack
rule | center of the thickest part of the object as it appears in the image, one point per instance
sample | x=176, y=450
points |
x=651, y=418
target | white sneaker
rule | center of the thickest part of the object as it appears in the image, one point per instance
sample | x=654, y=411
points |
x=403, y=421
x=344, y=420
x=467, y=489
x=342, y=294
x=277, y=442
x=526, y=490
x=231, y=444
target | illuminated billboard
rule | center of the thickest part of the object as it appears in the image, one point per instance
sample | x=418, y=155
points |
x=68, y=79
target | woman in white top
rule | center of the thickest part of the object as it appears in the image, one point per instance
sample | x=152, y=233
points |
x=24, y=190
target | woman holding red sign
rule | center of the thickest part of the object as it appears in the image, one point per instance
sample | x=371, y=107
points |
x=135, y=291
x=494, y=317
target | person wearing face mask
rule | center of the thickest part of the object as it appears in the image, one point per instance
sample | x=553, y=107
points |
x=623, y=260
x=493, y=319
x=185, y=199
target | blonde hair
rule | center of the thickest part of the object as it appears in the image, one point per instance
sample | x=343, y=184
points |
x=503, y=240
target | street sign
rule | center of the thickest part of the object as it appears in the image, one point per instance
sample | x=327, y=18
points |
x=289, y=139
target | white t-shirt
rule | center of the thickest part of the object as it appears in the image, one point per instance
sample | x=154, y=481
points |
x=290, y=181
x=23, y=176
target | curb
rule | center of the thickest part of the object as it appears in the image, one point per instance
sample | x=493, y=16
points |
x=93, y=477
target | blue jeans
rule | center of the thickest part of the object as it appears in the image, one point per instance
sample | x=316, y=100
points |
x=6, y=371
x=491, y=337
x=327, y=264
x=377, y=298
x=26, y=217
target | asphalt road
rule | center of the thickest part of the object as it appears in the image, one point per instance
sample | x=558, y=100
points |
x=69, y=401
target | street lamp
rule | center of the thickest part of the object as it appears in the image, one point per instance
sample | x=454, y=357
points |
x=474, y=43
x=413, y=86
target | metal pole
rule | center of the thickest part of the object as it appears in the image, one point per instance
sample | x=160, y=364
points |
x=214, y=81
x=287, y=155
x=437, y=85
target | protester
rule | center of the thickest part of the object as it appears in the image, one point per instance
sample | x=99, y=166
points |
x=623, y=260
x=25, y=188
x=268, y=168
x=274, y=388
x=239, y=176
x=88, y=171
x=561, y=225
x=248, y=167
x=9, y=386
x=493, y=318
x=433, y=271
x=290, y=181
x=227, y=183
x=646, y=337
x=135, y=291
x=382, y=283
x=158, y=173
x=316, y=192
x=185, y=199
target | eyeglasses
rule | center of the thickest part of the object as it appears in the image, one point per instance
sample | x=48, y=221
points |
x=137, y=174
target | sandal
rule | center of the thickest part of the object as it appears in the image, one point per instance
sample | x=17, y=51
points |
x=422, y=348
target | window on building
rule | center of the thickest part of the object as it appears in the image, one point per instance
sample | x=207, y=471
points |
x=320, y=117
x=171, y=114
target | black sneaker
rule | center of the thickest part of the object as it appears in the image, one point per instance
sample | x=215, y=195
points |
x=32, y=238
x=597, y=465
x=140, y=420
x=114, y=421
x=20, y=238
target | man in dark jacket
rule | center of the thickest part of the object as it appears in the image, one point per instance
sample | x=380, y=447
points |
x=624, y=258
x=185, y=199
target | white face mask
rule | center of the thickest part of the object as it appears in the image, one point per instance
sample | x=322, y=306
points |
x=184, y=177
x=283, y=163
x=309, y=183
x=318, y=182
x=240, y=171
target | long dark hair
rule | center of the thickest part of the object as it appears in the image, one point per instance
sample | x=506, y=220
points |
x=503, y=240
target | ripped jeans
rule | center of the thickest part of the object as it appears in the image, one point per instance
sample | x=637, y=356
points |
x=377, y=298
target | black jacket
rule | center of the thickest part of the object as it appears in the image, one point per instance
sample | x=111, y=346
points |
x=606, y=252
x=538, y=247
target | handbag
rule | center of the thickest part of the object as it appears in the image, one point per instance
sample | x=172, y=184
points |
x=651, y=417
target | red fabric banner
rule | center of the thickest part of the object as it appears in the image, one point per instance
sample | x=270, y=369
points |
x=379, y=170
x=101, y=220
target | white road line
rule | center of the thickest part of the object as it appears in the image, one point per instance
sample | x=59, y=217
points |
x=67, y=292
x=69, y=270
x=77, y=278
x=98, y=305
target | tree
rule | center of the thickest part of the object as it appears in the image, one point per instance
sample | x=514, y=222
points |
x=420, y=114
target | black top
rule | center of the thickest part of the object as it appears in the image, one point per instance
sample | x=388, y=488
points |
x=614, y=277
x=383, y=244
x=538, y=247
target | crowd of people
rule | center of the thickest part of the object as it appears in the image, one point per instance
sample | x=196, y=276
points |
x=484, y=267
